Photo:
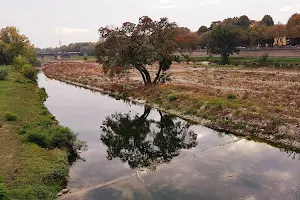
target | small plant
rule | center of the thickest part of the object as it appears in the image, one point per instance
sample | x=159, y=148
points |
x=264, y=59
x=29, y=72
x=10, y=116
x=231, y=96
x=3, y=74
x=19, y=61
x=187, y=59
x=172, y=97
x=3, y=191
x=85, y=57
x=279, y=109
x=177, y=58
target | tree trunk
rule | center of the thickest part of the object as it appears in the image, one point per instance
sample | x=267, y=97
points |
x=145, y=74
x=225, y=59
x=157, y=75
x=147, y=110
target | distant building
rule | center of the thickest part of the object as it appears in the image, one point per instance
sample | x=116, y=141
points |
x=280, y=41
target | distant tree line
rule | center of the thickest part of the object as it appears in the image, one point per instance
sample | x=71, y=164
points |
x=249, y=32
x=224, y=37
x=85, y=48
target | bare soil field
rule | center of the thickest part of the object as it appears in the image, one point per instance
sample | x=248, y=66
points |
x=259, y=103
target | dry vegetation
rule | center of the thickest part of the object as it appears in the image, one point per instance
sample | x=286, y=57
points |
x=260, y=103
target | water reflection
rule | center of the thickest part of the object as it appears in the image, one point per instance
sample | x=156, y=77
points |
x=143, y=142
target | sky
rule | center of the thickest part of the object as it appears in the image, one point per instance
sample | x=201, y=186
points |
x=47, y=21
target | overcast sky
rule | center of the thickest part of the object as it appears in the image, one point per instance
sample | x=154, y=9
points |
x=45, y=21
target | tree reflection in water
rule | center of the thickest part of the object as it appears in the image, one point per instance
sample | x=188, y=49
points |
x=143, y=142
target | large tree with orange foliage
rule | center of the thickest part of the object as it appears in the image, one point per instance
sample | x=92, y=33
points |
x=293, y=28
x=186, y=39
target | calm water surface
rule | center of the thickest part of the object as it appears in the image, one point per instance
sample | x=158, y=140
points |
x=141, y=153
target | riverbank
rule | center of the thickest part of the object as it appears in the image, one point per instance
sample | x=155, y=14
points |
x=257, y=103
x=27, y=170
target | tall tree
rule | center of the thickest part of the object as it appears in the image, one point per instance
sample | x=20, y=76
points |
x=138, y=45
x=267, y=20
x=223, y=40
x=243, y=21
x=213, y=24
x=12, y=44
x=186, y=39
x=275, y=32
x=230, y=21
x=293, y=28
x=201, y=30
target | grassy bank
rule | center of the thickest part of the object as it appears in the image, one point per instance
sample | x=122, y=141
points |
x=27, y=170
x=88, y=58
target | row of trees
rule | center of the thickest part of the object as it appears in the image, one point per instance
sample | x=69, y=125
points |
x=250, y=32
x=13, y=44
x=85, y=48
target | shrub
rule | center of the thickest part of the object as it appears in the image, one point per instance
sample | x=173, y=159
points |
x=37, y=63
x=177, y=58
x=235, y=63
x=231, y=96
x=3, y=191
x=42, y=94
x=39, y=137
x=264, y=59
x=85, y=57
x=29, y=72
x=3, y=74
x=62, y=137
x=47, y=136
x=172, y=97
x=10, y=116
x=19, y=61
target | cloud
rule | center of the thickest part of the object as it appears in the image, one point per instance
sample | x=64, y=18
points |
x=286, y=9
x=71, y=30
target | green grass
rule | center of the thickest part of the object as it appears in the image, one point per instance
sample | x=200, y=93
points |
x=89, y=58
x=28, y=171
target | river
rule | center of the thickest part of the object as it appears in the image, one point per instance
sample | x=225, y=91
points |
x=135, y=152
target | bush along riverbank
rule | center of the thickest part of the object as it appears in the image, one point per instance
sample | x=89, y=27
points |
x=260, y=119
x=35, y=151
